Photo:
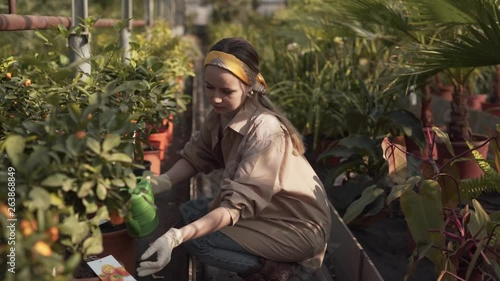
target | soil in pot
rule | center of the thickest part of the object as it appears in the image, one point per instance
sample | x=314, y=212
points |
x=84, y=273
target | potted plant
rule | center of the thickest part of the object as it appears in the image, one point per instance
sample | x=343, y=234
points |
x=492, y=103
x=448, y=225
x=363, y=164
x=73, y=167
x=470, y=30
x=446, y=48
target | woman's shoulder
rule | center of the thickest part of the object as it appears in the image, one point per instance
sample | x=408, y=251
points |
x=267, y=125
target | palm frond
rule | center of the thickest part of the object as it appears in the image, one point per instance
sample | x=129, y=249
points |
x=489, y=182
x=474, y=40
x=376, y=19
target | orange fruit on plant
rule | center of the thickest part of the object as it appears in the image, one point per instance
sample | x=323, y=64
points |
x=53, y=233
x=8, y=75
x=80, y=134
x=27, y=83
x=27, y=227
x=115, y=218
x=4, y=209
x=42, y=248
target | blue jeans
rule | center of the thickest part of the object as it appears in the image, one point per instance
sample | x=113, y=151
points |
x=215, y=249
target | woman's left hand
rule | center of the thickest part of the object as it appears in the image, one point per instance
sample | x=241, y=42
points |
x=163, y=246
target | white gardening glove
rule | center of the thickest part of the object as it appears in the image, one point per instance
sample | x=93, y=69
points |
x=159, y=183
x=163, y=246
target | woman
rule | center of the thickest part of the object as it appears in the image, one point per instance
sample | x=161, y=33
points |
x=270, y=216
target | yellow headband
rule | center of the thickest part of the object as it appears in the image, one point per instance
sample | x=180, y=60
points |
x=238, y=68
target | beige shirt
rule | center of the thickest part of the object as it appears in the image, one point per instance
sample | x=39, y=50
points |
x=283, y=207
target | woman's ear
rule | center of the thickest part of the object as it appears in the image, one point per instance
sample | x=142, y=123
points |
x=248, y=88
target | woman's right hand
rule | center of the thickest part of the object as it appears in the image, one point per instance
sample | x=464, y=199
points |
x=159, y=183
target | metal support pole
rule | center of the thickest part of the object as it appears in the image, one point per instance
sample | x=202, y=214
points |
x=12, y=7
x=180, y=11
x=79, y=45
x=159, y=9
x=125, y=33
x=167, y=15
x=148, y=12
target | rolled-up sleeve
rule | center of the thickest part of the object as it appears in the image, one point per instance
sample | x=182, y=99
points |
x=198, y=152
x=257, y=178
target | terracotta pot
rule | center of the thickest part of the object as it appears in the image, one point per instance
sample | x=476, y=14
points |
x=121, y=246
x=445, y=92
x=491, y=108
x=170, y=127
x=475, y=102
x=469, y=168
x=162, y=139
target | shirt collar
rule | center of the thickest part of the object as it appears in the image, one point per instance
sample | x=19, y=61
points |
x=239, y=123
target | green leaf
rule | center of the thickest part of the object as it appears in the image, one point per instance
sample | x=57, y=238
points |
x=410, y=124
x=358, y=141
x=72, y=262
x=131, y=180
x=55, y=180
x=77, y=230
x=445, y=139
x=102, y=214
x=38, y=158
x=423, y=212
x=75, y=112
x=41, y=36
x=92, y=245
x=127, y=86
x=399, y=189
x=111, y=141
x=73, y=145
x=118, y=182
x=94, y=145
x=39, y=199
x=86, y=188
x=102, y=191
x=68, y=184
x=119, y=157
x=90, y=207
x=479, y=219
x=356, y=208
x=55, y=200
x=14, y=146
